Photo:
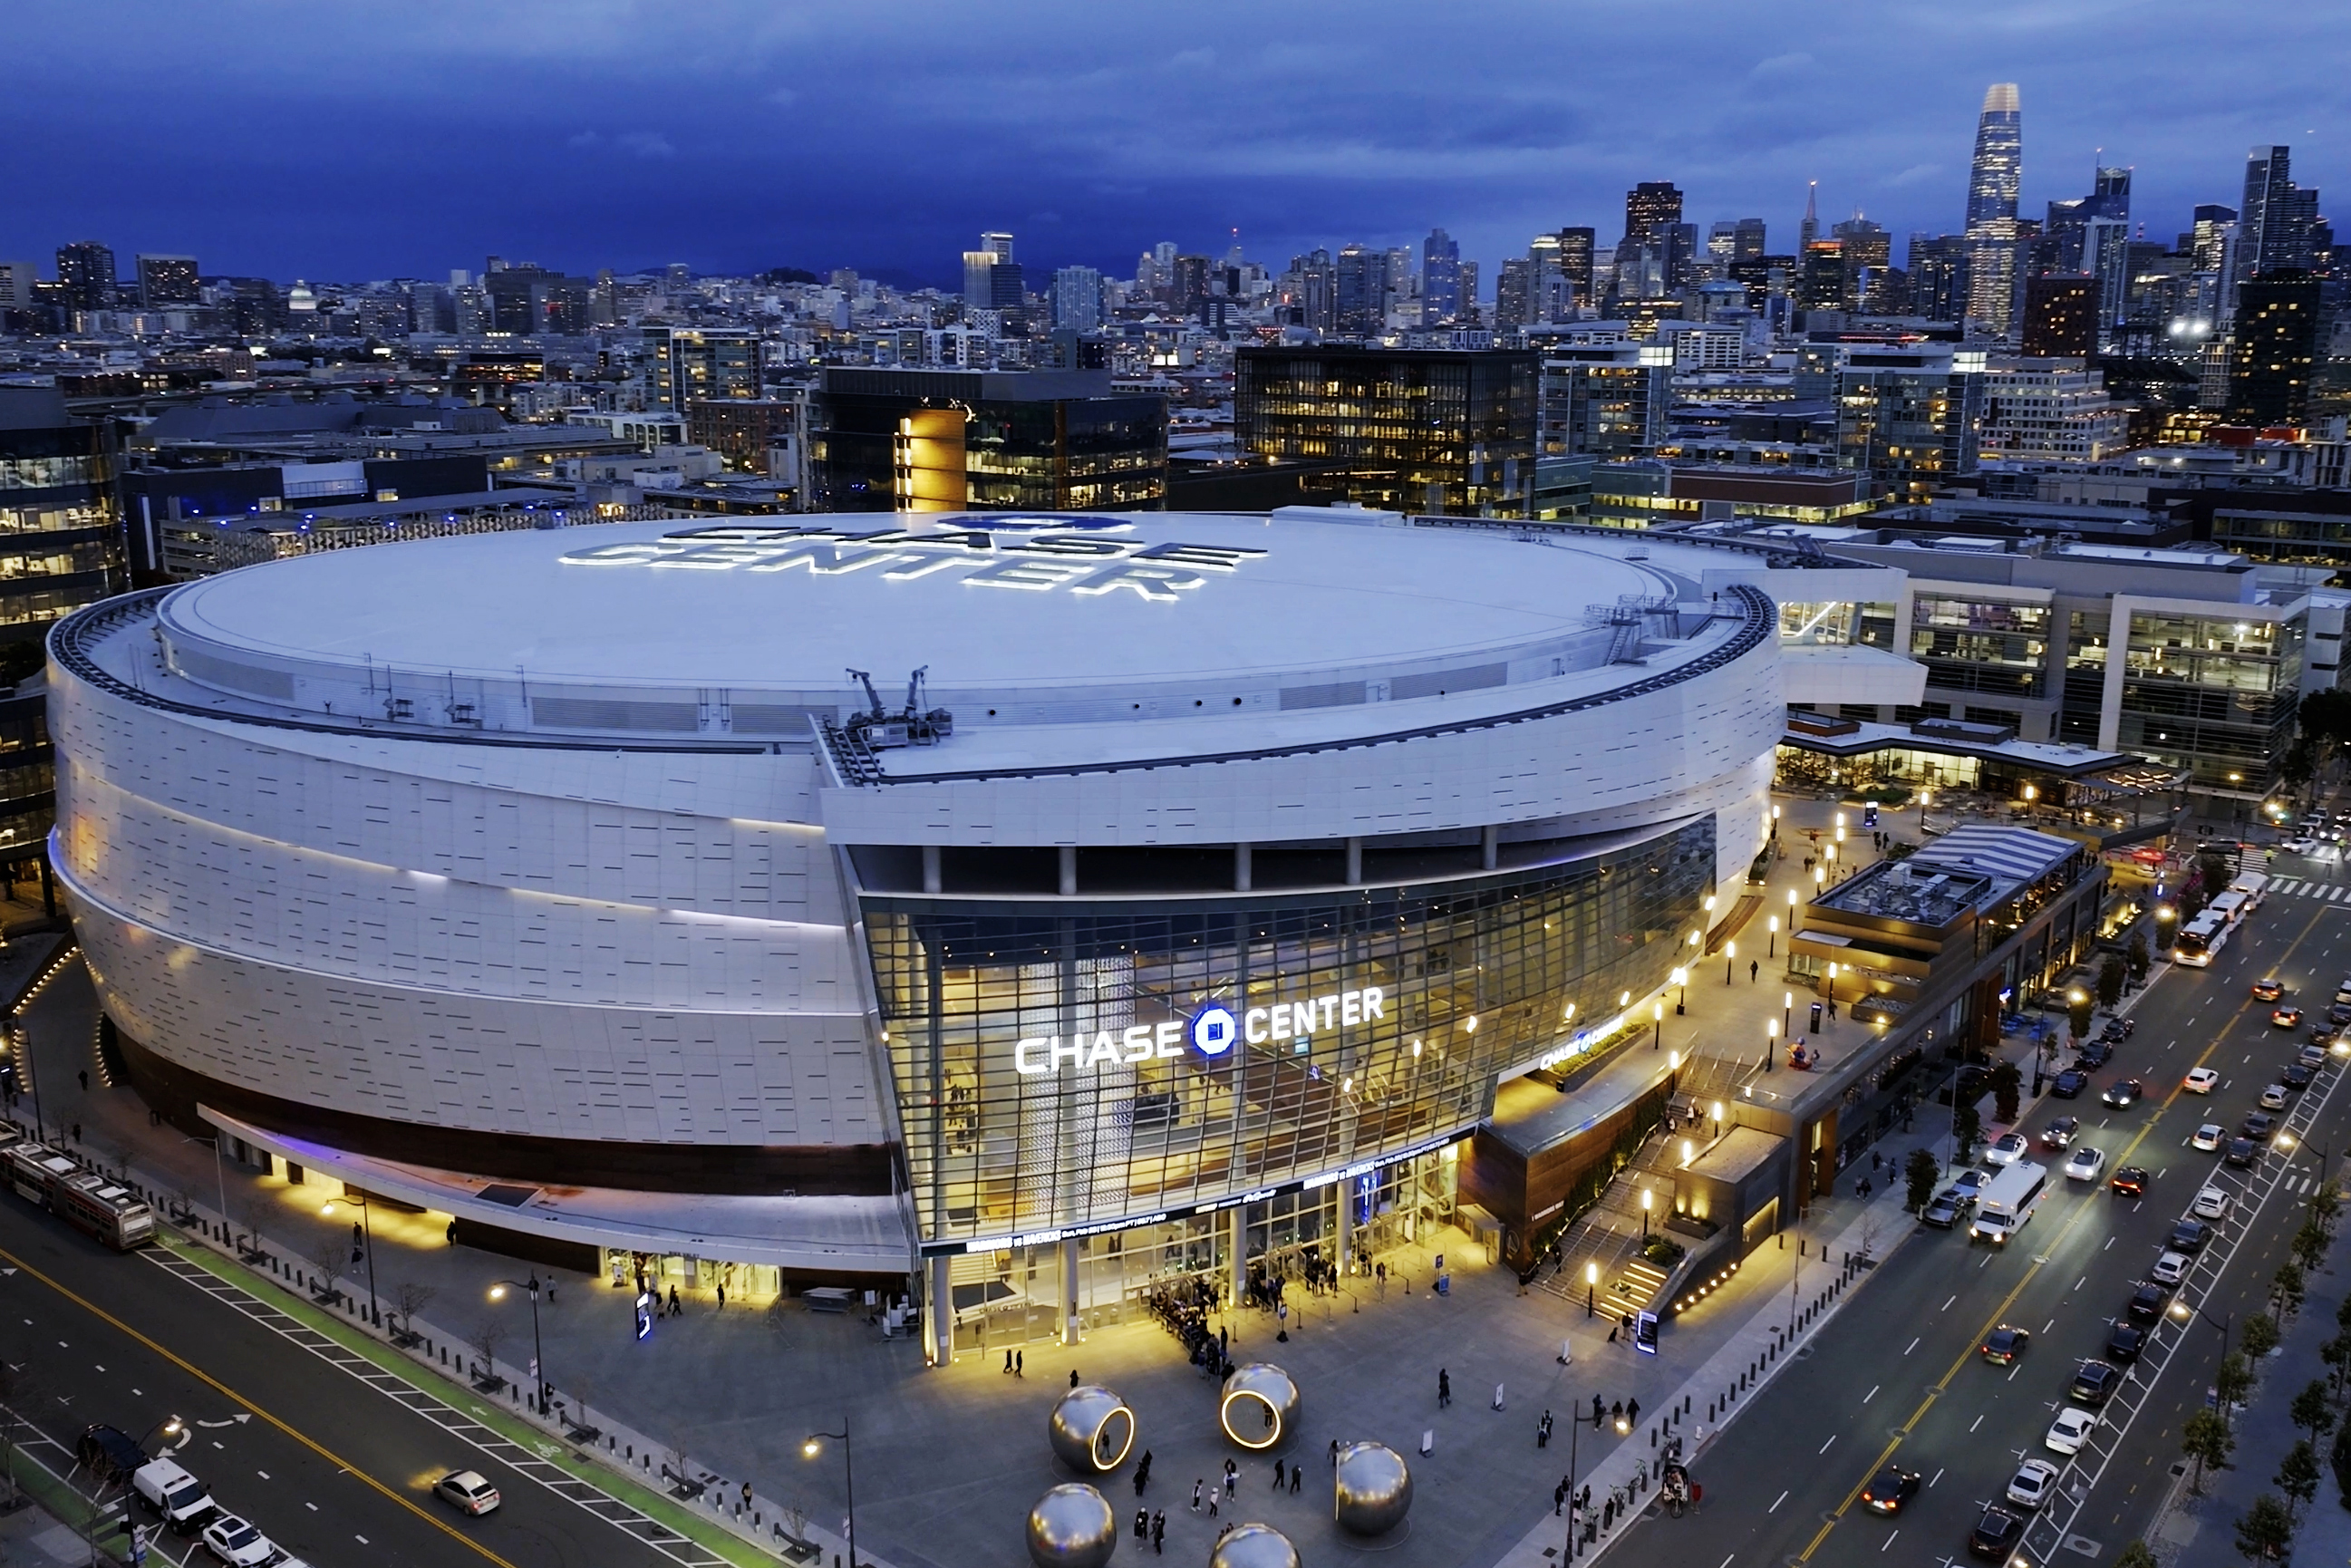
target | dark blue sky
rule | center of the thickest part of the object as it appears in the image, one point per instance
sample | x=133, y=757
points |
x=333, y=139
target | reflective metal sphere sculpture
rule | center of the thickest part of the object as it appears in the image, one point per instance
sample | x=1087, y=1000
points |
x=1373, y=1491
x=1073, y=1527
x=1254, y=1546
x=1091, y=1430
x=1259, y=1407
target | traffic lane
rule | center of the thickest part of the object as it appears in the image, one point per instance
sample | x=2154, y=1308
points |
x=362, y=1429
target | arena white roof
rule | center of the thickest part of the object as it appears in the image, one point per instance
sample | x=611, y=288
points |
x=985, y=600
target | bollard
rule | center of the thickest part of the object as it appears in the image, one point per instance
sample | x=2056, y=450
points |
x=1653, y=1436
x=1685, y=1403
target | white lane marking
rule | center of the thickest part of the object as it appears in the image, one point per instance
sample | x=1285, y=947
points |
x=1913, y=1345
x=1871, y=1394
x=263, y=1474
x=1947, y=1305
x=2110, y=1242
x=1979, y=1423
x=1776, y=1502
x=2049, y=1324
x=1938, y=1475
x=1889, y=1539
x=1831, y=1443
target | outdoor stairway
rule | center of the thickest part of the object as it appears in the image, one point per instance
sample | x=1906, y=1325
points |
x=1640, y=1283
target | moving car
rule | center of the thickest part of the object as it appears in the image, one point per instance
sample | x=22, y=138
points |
x=2208, y=1137
x=2211, y=1203
x=2286, y=1018
x=2123, y=1093
x=2129, y=1181
x=2170, y=1268
x=2069, y=1085
x=1889, y=1489
x=2070, y=1430
x=232, y=1541
x=2123, y=1342
x=2299, y=846
x=2188, y=1236
x=2006, y=1149
x=2268, y=989
x=2274, y=1097
x=1995, y=1534
x=2005, y=1343
x=469, y=1491
x=2085, y=1164
x=2059, y=1134
x=2242, y=1153
x=2200, y=1081
x=2032, y=1484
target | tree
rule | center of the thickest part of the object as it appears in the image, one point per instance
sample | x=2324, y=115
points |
x=2326, y=1204
x=2260, y=1336
x=488, y=1334
x=2079, y=1005
x=2309, y=1244
x=2007, y=1086
x=2136, y=1555
x=2206, y=1439
x=2286, y=1290
x=2216, y=871
x=1921, y=1172
x=2110, y=981
x=2340, y=1460
x=2298, y=1476
x=2233, y=1381
x=2312, y=1411
x=1967, y=1131
x=326, y=1255
x=2265, y=1530
x=2336, y=1354
x=2135, y=956
x=410, y=1298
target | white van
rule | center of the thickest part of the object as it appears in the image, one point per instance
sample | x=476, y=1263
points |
x=173, y=1495
x=2007, y=1202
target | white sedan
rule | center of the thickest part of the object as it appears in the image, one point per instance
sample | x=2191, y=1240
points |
x=2200, y=1081
x=2087, y=1165
x=2299, y=846
x=2070, y=1430
x=2209, y=1137
x=2212, y=1203
x=2033, y=1481
x=2169, y=1269
x=232, y=1541
x=2006, y=1149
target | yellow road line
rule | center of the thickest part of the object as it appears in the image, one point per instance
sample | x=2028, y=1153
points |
x=2030, y=1274
x=442, y=1525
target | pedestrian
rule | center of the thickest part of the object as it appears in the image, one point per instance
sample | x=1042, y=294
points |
x=1558, y=1499
x=1019, y=1364
x=1232, y=1478
x=676, y=1308
x=1142, y=1522
x=452, y=1239
x=1754, y=967
x=1197, y=1484
x=84, y=1075
x=1143, y=1473
x=1276, y=1474
x=1212, y=1502
x=1296, y=1474
x=1335, y=1453
x=1073, y=1377
x=1007, y=1363
x=1612, y=1333
x=1224, y=1341
x=722, y=1295
x=1632, y=1412
x=1832, y=1008
x=1444, y=1389
x=1598, y=1411
x=1159, y=1531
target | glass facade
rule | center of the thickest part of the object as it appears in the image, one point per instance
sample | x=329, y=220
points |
x=60, y=542
x=1091, y=1064
x=1976, y=645
x=2213, y=695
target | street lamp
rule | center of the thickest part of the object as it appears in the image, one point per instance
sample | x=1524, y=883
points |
x=362, y=1235
x=1729, y=958
x=1591, y=1286
x=1649, y=1201
x=1681, y=978
x=1658, y=1013
x=1771, y=941
x=1788, y=1013
x=219, y=1179
x=170, y=1426
x=810, y=1449
x=538, y=1346
x=1771, y=1044
x=2182, y=1310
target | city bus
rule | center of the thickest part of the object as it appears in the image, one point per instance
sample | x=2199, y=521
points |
x=2256, y=888
x=2199, y=939
x=96, y=1205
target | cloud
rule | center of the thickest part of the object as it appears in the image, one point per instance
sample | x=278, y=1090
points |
x=1780, y=66
x=1192, y=59
x=584, y=141
x=783, y=98
x=648, y=144
x=1916, y=173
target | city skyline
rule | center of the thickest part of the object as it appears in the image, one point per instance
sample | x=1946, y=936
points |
x=734, y=140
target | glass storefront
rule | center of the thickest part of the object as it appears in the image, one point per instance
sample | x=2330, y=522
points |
x=1103, y=1064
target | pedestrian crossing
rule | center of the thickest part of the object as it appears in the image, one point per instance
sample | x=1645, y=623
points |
x=2302, y=887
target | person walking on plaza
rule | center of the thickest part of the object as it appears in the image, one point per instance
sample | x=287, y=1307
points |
x=1754, y=968
x=1141, y=1523
x=1143, y=1472
x=1212, y=1502
x=1276, y=1474
x=722, y=1296
x=1159, y=1531
x=1197, y=1484
x=674, y=1309
x=1296, y=1474
x=1019, y=1364
x=1232, y=1478
x=1073, y=1377
x=1444, y=1389
x=1007, y=1363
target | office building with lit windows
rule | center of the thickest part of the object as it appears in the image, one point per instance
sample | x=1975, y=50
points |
x=1190, y=907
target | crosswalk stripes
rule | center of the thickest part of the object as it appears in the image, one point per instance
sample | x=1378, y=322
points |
x=2299, y=887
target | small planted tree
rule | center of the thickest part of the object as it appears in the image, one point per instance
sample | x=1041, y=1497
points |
x=2260, y=1336
x=2339, y=1459
x=2312, y=1411
x=2079, y=1005
x=2110, y=981
x=326, y=1255
x=2337, y=1356
x=2135, y=958
x=1920, y=1172
x=2007, y=1085
x=2297, y=1477
x=2233, y=1380
x=2265, y=1530
x=2309, y=1244
x=2286, y=1289
x=1967, y=1131
x=487, y=1335
x=409, y=1297
x=2204, y=1437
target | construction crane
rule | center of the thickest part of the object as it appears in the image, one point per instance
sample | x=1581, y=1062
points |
x=879, y=729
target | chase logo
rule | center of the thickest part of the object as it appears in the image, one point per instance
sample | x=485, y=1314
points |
x=1039, y=522
x=1214, y=1030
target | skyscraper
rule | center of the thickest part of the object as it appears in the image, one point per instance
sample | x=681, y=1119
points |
x=1810, y=229
x=1651, y=208
x=1077, y=298
x=166, y=280
x=1440, y=279
x=1992, y=185
x=1360, y=292
x=2274, y=222
x=1575, y=247
x=2275, y=351
x=86, y=273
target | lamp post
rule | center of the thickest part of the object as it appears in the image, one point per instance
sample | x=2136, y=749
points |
x=362, y=1235
x=848, y=1471
x=1772, y=939
x=1591, y=1286
x=1658, y=1014
x=1681, y=978
x=170, y=1426
x=1729, y=958
x=2181, y=1310
x=219, y=1178
x=1788, y=1013
x=1648, y=1200
x=1771, y=1044
x=538, y=1346
x=1574, y=1428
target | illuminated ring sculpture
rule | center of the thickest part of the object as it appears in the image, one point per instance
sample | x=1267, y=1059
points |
x=1260, y=1405
x=1073, y=1527
x=1091, y=1430
x=1373, y=1490
x=1254, y=1546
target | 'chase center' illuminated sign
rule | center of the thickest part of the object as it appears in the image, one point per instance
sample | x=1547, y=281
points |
x=1036, y=554
x=1213, y=1031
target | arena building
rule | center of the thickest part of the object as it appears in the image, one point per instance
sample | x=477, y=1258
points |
x=1192, y=905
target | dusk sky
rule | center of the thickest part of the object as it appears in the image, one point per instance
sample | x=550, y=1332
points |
x=345, y=141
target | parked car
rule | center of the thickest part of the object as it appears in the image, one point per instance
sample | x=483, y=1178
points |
x=232, y=1541
x=2070, y=1430
x=2257, y=1125
x=2033, y=1481
x=1943, y=1213
x=2069, y=1085
x=2274, y=1097
x=2093, y=1381
x=2123, y=1342
x=2207, y=1138
x=2147, y=1303
x=1995, y=1534
x=2242, y=1153
x=2188, y=1236
x=2296, y=1077
x=2170, y=1268
x=2211, y=1203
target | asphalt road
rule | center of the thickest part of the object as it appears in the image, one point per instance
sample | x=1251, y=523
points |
x=1896, y=1375
x=332, y=1470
